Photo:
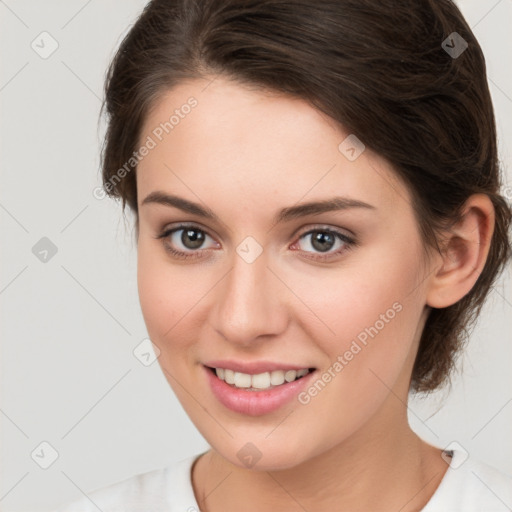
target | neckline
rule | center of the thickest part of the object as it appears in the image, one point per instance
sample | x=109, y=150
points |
x=455, y=457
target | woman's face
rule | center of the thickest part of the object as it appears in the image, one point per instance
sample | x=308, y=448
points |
x=264, y=283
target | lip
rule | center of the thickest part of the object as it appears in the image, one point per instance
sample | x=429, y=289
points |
x=253, y=368
x=255, y=403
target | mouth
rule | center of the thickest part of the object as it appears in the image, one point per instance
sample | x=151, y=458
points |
x=257, y=394
x=259, y=382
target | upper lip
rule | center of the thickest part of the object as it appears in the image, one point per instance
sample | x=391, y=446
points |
x=254, y=367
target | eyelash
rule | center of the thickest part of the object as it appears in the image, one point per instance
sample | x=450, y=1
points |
x=349, y=243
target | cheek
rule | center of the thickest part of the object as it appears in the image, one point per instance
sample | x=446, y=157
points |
x=369, y=313
x=374, y=318
x=170, y=299
x=166, y=294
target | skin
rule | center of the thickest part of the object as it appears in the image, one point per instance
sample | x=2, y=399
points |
x=245, y=154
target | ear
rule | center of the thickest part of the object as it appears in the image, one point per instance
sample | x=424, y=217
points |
x=463, y=254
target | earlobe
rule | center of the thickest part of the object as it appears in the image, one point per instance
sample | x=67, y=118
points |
x=464, y=253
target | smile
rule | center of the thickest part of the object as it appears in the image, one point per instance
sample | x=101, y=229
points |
x=258, y=393
x=266, y=380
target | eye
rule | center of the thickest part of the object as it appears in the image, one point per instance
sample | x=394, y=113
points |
x=187, y=241
x=184, y=241
x=324, y=240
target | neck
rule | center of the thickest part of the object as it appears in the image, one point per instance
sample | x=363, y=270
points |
x=384, y=466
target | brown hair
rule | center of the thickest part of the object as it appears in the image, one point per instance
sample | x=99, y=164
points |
x=377, y=67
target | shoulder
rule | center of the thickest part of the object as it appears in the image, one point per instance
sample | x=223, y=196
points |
x=166, y=489
x=470, y=485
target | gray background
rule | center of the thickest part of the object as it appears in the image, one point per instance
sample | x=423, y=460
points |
x=69, y=325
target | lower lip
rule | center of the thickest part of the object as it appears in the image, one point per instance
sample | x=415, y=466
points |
x=255, y=403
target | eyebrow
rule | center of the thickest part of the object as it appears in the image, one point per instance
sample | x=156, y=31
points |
x=284, y=215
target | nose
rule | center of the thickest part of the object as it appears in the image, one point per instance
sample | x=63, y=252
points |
x=250, y=303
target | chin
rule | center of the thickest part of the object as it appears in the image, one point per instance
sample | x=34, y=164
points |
x=260, y=456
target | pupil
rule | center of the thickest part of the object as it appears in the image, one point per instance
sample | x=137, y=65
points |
x=321, y=239
x=192, y=238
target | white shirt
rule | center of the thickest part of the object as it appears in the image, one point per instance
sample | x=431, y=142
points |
x=467, y=486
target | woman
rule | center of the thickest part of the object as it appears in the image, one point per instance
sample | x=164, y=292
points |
x=318, y=219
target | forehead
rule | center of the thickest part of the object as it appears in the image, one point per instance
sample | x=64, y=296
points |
x=222, y=140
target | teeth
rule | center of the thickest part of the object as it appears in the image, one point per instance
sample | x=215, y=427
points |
x=261, y=381
x=242, y=380
x=290, y=375
x=229, y=376
x=277, y=378
x=265, y=380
